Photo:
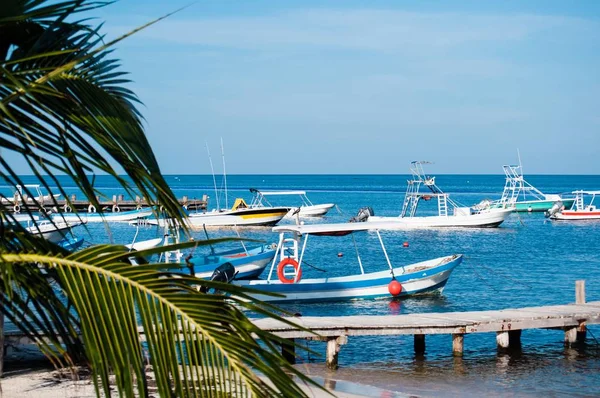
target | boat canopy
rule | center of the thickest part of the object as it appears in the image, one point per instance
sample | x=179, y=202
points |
x=274, y=193
x=586, y=192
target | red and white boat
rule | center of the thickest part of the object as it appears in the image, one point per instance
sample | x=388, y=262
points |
x=580, y=210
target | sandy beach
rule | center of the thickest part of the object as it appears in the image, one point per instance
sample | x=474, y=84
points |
x=39, y=382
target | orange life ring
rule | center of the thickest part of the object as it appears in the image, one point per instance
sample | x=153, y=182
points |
x=281, y=266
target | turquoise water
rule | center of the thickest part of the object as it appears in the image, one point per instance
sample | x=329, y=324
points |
x=527, y=261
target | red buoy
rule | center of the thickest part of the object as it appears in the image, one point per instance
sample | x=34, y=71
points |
x=394, y=287
x=405, y=244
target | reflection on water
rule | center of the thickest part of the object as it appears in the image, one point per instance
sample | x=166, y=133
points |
x=545, y=370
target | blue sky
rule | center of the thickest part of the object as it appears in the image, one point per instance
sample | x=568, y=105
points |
x=366, y=86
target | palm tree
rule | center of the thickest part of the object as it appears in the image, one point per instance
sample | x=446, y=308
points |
x=64, y=110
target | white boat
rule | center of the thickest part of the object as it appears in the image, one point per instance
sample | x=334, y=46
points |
x=285, y=274
x=51, y=231
x=304, y=208
x=23, y=195
x=450, y=213
x=524, y=197
x=109, y=216
x=579, y=210
x=240, y=214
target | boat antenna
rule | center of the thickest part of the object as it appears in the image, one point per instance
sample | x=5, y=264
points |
x=224, y=174
x=212, y=169
x=520, y=164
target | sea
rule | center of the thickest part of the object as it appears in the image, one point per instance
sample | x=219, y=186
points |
x=527, y=261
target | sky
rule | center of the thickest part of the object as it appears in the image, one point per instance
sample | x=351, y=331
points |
x=306, y=87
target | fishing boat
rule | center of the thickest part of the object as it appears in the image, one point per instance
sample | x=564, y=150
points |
x=524, y=197
x=247, y=262
x=305, y=208
x=109, y=216
x=53, y=231
x=28, y=194
x=449, y=212
x=240, y=214
x=579, y=210
x=285, y=274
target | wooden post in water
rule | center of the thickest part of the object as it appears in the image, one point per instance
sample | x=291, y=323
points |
x=419, y=344
x=333, y=349
x=580, y=299
x=288, y=350
x=458, y=340
x=577, y=333
x=502, y=340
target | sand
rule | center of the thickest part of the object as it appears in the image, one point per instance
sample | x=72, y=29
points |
x=48, y=383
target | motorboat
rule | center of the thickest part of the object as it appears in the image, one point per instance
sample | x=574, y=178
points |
x=28, y=194
x=303, y=208
x=247, y=262
x=449, y=212
x=108, y=216
x=580, y=210
x=53, y=231
x=240, y=214
x=524, y=197
x=285, y=273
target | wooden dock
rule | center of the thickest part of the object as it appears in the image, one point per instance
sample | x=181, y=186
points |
x=507, y=324
x=117, y=204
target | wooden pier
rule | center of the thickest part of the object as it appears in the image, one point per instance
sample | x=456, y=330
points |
x=507, y=324
x=117, y=204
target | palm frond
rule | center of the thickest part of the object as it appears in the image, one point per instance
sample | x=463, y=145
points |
x=198, y=344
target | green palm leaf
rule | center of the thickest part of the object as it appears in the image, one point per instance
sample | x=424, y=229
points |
x=198, y=344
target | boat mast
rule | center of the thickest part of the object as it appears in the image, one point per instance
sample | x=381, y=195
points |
x=212, y=169
x=224, y=174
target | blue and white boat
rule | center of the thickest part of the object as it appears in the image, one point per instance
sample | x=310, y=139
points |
x=109, y=216
x=285, y=275
x=248, y=263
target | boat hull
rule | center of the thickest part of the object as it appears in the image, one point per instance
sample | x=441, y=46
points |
x=246, y=217
x=124, y=216
x=427, y=277
x=488, y=219
x=311, y=211
x=52, y=232
x=248, y=264
x=534, y=206
x=571, y=215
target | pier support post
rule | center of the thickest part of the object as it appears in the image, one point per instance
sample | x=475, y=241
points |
x=580, y=292
x=502, y=340
x=581, y=332
x=333, y=349
x=288, y=350
x=509, y=340
x=458, y=344
x=419, y=344
x=570, y=336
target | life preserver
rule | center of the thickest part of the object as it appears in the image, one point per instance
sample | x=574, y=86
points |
x=67, y=208
x=138, y=206
x=17, y=209
x=115, y=209
x=91, y=209
x=283, y=264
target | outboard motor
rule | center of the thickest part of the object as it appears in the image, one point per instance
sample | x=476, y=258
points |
x=363, y=214
x=556, y=207
x=223, y=273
